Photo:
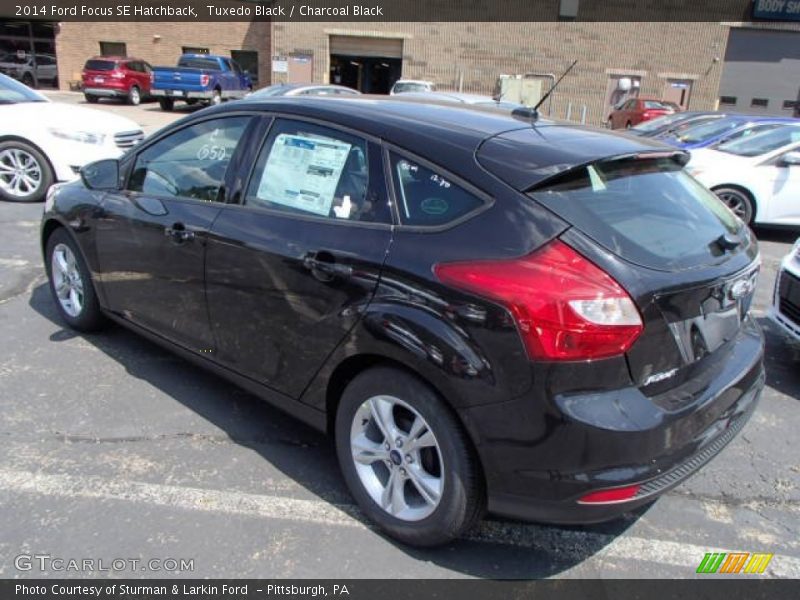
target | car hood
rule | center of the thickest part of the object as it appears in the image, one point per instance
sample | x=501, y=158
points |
x=67, y=116
x=709, y=159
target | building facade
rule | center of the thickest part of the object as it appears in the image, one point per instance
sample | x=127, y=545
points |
x=743, y=67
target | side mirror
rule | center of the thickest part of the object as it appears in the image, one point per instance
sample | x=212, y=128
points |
x=790, y=159
x=101, y=175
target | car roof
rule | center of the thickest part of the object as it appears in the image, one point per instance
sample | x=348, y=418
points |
x=454, y=96
x=510, y=147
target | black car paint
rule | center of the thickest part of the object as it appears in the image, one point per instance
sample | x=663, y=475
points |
x=546, y=433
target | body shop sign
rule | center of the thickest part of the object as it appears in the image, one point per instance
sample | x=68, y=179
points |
x=781, y=10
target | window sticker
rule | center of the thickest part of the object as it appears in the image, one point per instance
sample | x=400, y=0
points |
x=302, y=172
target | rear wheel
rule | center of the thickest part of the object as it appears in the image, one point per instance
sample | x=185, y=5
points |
x=406, y=459
x=216, y=98
x=166, y=103
x=70, y=283
x=27, y=79
x=134, y=96
x=91, y=99
x=739, y=201
x=628, y=125
x=25, y=174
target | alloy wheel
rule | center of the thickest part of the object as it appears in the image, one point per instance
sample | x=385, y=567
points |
x=737, y=202
x=397, y=458
x=67, y=280
x=20, y=173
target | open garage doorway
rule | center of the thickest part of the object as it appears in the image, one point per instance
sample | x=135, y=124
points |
x=369, y=65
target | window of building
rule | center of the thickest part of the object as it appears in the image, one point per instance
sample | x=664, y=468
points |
x=727, y=100
x=425, y=197
x=190, y=163
x=311, y=170
x=194, y=50
x=759, y=102
x=113, y=49
x=789, y=104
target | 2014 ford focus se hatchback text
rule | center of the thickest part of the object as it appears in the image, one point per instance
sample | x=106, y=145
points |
x=544, y=321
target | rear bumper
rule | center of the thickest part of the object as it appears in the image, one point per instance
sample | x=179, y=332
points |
x=105, y=92
x=182, y=94
x=590, y=442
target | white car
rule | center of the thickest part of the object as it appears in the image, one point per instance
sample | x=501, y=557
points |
x=758, y=176
x=42, y=142
x=785, y=310
x=402, y=86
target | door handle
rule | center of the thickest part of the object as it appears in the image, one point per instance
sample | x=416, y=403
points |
x=179, y=233
x=323, y=266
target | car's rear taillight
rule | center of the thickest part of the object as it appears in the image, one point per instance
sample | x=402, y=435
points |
x=152, y=77
x=566, y=308
x=204, y=79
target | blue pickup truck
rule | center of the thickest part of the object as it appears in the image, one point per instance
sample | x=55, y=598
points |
x=200, y=78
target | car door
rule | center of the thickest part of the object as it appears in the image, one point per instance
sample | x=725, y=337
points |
x=290, y=267
x=151, y=239
x=783, y=183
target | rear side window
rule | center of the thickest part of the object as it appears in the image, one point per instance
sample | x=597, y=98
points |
x=100, y=65
x=651, y=212
x=311, y=170
x=208, y=64
x=427, y=198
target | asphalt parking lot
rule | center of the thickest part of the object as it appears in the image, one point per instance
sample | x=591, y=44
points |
x=115, y=449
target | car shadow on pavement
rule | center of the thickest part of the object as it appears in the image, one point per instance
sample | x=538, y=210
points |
x=497, y=549
x=776, y=234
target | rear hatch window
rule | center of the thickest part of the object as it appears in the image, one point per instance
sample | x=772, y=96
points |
x=100, y=65
x=648, y=211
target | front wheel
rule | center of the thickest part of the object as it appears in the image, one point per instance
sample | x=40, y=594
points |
x=25, y=173
x=71, y=284
x=739, y=201
x=406, y=458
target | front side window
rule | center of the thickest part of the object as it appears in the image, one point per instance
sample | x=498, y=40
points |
x=310, y=170
x=427, y=198
x=189, y=163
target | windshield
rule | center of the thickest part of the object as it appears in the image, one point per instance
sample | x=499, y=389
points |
x=763, y=142
x=272, y=90
x=14, y=92
x=199, y=63
x=411, y=87
x=100, y=65
x=653, y=124
x=648, y=211
x=705, y=131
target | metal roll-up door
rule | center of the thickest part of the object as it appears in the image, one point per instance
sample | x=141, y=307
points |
x=348, y=45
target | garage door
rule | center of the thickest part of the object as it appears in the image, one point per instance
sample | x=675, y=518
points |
x=348, y=45
x=761, y=74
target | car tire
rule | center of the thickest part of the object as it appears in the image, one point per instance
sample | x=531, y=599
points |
x=27, y=79
x=423, y=488
x=739, y=201
x=91, y=99
x=134, y=96
x=71, y=284
x=628, y=125
x=166, y=104
x=216, y=98
x=191, y=101
x=17, y=155
x=609, y=124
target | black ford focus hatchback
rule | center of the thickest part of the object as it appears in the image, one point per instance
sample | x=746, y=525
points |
x=544, y=321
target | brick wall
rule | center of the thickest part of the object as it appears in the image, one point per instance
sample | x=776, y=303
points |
x=77, y=41
x=476, y=53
